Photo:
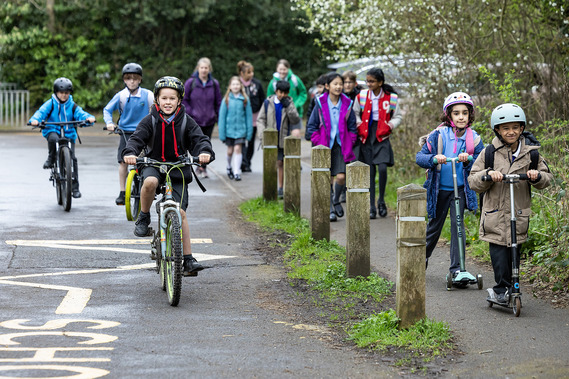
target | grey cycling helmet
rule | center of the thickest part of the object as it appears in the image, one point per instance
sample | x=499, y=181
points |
x=507, y=113
x=132, y=68
x=62, y=85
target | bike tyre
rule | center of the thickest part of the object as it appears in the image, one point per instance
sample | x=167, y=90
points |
x=65, y=177
x=132, y=196
x=173, y=262
x=57, y=184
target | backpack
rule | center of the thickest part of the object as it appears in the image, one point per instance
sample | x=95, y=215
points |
x=489, y=158
x=53, y=106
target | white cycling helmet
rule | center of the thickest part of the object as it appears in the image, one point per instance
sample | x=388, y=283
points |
x=507, y=113
x=457, y=98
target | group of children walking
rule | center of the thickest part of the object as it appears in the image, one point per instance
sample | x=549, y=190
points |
x=354, y=123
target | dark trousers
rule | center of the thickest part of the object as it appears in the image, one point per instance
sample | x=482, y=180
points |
x=502, y=264
x=51, y=147
x=249, y=150
x=445, y=200
x=382, y=179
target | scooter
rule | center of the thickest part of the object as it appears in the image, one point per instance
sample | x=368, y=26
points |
x=463, y=278
x=514, y=299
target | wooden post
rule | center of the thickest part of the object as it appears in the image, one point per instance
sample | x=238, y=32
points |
x=357, y=220
x=411, y=231
x=291, y=183
x=320, y=193
x=270, y=145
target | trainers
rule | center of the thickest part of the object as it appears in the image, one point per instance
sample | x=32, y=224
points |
x=76, y=194
x=502, y=298
x=230, y=173
x=280, y=193
x=48, y=163
x=120, y=199
x=382, y=209
x=141, y=229
x=191, y=266
x=237, y=177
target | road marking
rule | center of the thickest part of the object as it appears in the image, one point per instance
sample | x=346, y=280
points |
x=83, y=372
x=139, y=241
x=92, y=338
x=47, y=354
x=57, y=324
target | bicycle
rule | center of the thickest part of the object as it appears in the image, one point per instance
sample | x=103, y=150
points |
x=62, y=171
x=132, y=188
x=166, y=244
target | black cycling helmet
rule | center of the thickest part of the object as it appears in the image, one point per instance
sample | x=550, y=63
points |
x=62, y=85
x=169, y=82
x=132, y=68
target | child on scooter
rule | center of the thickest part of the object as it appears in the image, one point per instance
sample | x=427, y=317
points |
x=453, y=138
x=511, y=156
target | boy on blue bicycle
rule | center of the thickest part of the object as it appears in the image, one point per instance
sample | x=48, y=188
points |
x=166, y=133
x=60, y=108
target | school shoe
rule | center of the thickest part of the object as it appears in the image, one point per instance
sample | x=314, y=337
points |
x=204, y=173
x=338, y=210
x=76, y=194
x=246, y=168
x=120, y=199
x=382, y=209
x=230, y=173
x=280, y=193
x=48, y=163
x=141, y=229
x=333, y=217
x=372, y=213
x=191, y=266
x=237, y=177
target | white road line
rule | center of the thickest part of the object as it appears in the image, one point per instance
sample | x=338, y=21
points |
x=140, y=241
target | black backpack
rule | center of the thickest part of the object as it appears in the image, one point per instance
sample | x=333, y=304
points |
x=489, y=157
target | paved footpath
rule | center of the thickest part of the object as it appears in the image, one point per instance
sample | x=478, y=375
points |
x=494, y=342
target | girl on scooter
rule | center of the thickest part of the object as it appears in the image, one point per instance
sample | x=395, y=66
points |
x=453, y=138
x=512, y=155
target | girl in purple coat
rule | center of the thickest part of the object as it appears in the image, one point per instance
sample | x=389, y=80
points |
x=333, y=124
x=202, y=99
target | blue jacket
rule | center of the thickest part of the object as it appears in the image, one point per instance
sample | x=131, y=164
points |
x=424, y=159
x=54, y=111
x=235, y=120
x=131, y=109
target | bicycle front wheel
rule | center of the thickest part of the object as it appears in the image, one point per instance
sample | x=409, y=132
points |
x=57, y=183
x=172, y=264
x=132, y=196
x=65, y=177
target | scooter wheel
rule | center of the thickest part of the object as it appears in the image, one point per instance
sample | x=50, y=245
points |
x=490, y=304
x=517, y=308
x=449, y=282
x=480, y=281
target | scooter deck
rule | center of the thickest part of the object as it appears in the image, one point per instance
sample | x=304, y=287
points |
x=509, y=304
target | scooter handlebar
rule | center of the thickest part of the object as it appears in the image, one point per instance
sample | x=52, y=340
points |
x=488, y=178
x=455, y=159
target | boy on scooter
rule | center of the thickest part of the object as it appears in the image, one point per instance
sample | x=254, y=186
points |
x=512, y=155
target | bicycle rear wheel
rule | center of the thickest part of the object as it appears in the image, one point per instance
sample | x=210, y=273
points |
x=132, y=196
x=173, y=260
x=65, y=176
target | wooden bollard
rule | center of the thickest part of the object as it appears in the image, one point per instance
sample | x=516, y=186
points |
x=411, y=231
x=320, y=193
x=270, y=154
x=291, y=199
x=357, y=220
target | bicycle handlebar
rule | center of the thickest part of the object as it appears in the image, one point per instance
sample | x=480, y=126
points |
x=455, y=159
x=182, y=161
x=116, y=130
x=79, y=123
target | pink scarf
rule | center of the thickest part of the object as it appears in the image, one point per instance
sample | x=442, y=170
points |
x=245, y=84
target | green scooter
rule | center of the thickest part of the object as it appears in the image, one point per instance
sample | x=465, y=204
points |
x=463, y=278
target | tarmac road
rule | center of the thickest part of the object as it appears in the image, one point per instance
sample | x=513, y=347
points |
x=227, y=324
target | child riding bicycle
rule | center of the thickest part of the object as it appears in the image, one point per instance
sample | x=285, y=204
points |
x=60, y=108
x=133, y=103
x=165, y=133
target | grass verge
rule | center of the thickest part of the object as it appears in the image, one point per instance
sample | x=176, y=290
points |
x=352, y=305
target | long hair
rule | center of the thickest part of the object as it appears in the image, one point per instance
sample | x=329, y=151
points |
x=446, y=119
x=241, y=91
x=377, y=73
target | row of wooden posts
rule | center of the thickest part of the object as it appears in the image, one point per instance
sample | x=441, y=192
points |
x=410, y=219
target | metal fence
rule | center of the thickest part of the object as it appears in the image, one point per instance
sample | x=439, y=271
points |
x=14, y=105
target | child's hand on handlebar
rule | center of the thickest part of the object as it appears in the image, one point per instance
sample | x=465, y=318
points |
x=441, y=159
x=34, y=123
x=91, y=120
x=533, y=175
x=110, y=127
x=463, y=157
x=497, y=176
x=204, y=158
x=129, y=159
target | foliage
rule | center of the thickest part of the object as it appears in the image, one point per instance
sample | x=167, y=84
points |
x=380, y=330
x=89, y=42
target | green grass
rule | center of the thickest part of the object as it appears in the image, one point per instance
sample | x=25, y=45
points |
x=320, y=265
